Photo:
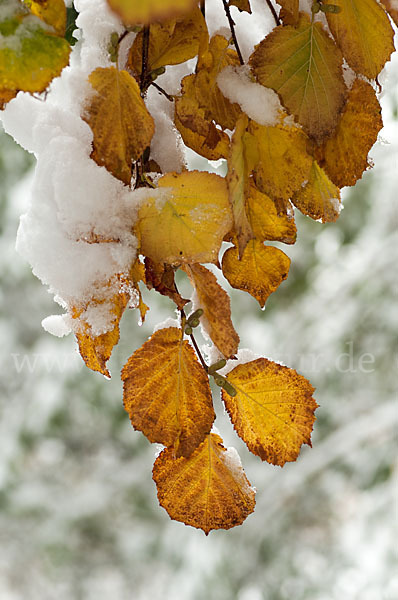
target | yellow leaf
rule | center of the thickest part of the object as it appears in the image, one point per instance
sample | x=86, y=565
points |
x=148, y=11
x=198, y=133
x=259, y=272
x=137, y=273
x=273, y=410
x=304, y=66
x=284, y=163
x=266, y=221
x=364, y=34
x=167, y=392
x=344, y=156
x=319, y=198
x=119, y=119
x=189, y=223
x=289, y=12
x=242, y=5
x=392, y=9
x=52, y=12
x=170, y=43
x=209, y=490
x=217, y=309
x=31, y=54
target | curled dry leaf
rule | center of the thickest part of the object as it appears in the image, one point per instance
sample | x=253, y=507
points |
x=161, y=278
x=273, y=410
x=167, y=392
x=259, y=271
x=319, y=198
x=149, y=11
x=209, y=490
x=217, y=309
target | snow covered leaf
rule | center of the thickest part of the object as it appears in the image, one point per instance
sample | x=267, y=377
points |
x=209, y=490
x=243, y=5
x=273, y=410
x=96, y=350
x=211, y=63
x=364, y=34
x=344, y=156
x=149, y=11
x=167, y=392
x=392, y=9
x=119, y=119
x=266, y=221
x=289, y=11
x=259, y=271
x=319, y=198
x=31, y=54
x=240, y=163
x=198, y=133
x=284, y=163
x=52, y=12
x=161, y=278
x=189, y=224
x=304, y=66
x=170, y=43
x=217, y=309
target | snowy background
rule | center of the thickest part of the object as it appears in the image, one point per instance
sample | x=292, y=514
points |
x=79, y=517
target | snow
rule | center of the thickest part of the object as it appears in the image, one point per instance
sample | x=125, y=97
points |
x=56, y=325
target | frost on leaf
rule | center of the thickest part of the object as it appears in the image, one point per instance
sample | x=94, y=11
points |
x=344, y=156
x=167, y=392
x=273, y=410
x=121, y=124
x=209, y=490
x=259, y=271
x=217, y=309
x=364, y=34
x=31, y=52
x=188, y=226
x=149, y=11
x=304, y=66
x=319, y=198
x=267, y=220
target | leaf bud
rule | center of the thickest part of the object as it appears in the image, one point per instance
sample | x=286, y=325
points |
x=217, y=365
x=315, y=8
x=229, y=388
x=219, y=380
x=195, y=316
x=188, y=330
x=114, y=38
x=194, y=322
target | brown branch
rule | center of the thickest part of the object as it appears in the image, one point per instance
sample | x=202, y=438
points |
x=162, y=91
x=232, y=28
x=272, y=9
x=144, y=63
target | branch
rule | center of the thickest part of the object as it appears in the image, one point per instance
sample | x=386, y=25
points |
x=162, y=91
x=232, y=28
x=272, y=9
x=144, y=63
x=203, y=7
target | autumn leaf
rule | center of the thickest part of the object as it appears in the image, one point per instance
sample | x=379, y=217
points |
x=217, y=309
x=304, y=66
x=209, y=490
x=242, y=5
x=266, y=221
x=121, y=124
x=392, y=9
x=197, y=132
x=137, y=273
x=284, y=163
x=167, y=392
x=289, y=13
x=259, y=271
x=344, y=156
x=189, y=223
x=362, y=30
x=52, y=12
x=273, y=410
x=161, y=278
x=319, y=198
x=170, y=43
x=149, y=11
x=31, y=54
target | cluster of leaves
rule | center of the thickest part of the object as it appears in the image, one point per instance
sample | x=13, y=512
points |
x=318, y=144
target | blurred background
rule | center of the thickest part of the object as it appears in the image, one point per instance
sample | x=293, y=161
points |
x=79, y=518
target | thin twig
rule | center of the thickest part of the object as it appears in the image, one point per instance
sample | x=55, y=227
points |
x=144, y=63
x=198, y=352
x=272, y=9
x=162, y=91
x=232, y=28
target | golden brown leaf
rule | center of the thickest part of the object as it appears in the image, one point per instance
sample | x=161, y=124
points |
x=242, y=5
x=217, y=309
x=392, y=9
x=304, y=66
x=364, y=34
x=52, y=12
x=161, y=278
x=119, y=119
x=344, y=156
x=319, y=198
x=137, y=273
x=167, y=392
x=267, y=221
x=284, y=163
x=149, y=11
x=289, y=13
x=188, y=224
x=259, y=271
x=209, y=490
x=273, y=410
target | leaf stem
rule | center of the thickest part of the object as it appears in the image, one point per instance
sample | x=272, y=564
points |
x=272, y=9
x=144, y=63
x=198, y=352
x=162, y=91
x=232, y=28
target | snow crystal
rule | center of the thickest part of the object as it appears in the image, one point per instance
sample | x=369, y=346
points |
x=169, y=322
x=56, y=325
x=232, y=461
x=244, y=356
x=260, y=103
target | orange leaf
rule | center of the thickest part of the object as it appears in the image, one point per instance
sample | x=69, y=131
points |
x=217, y=309
x=259, y=271
x=167, y=392
x=209, y=490
x=273, y=410
x=161, y=278
x=319, y=198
